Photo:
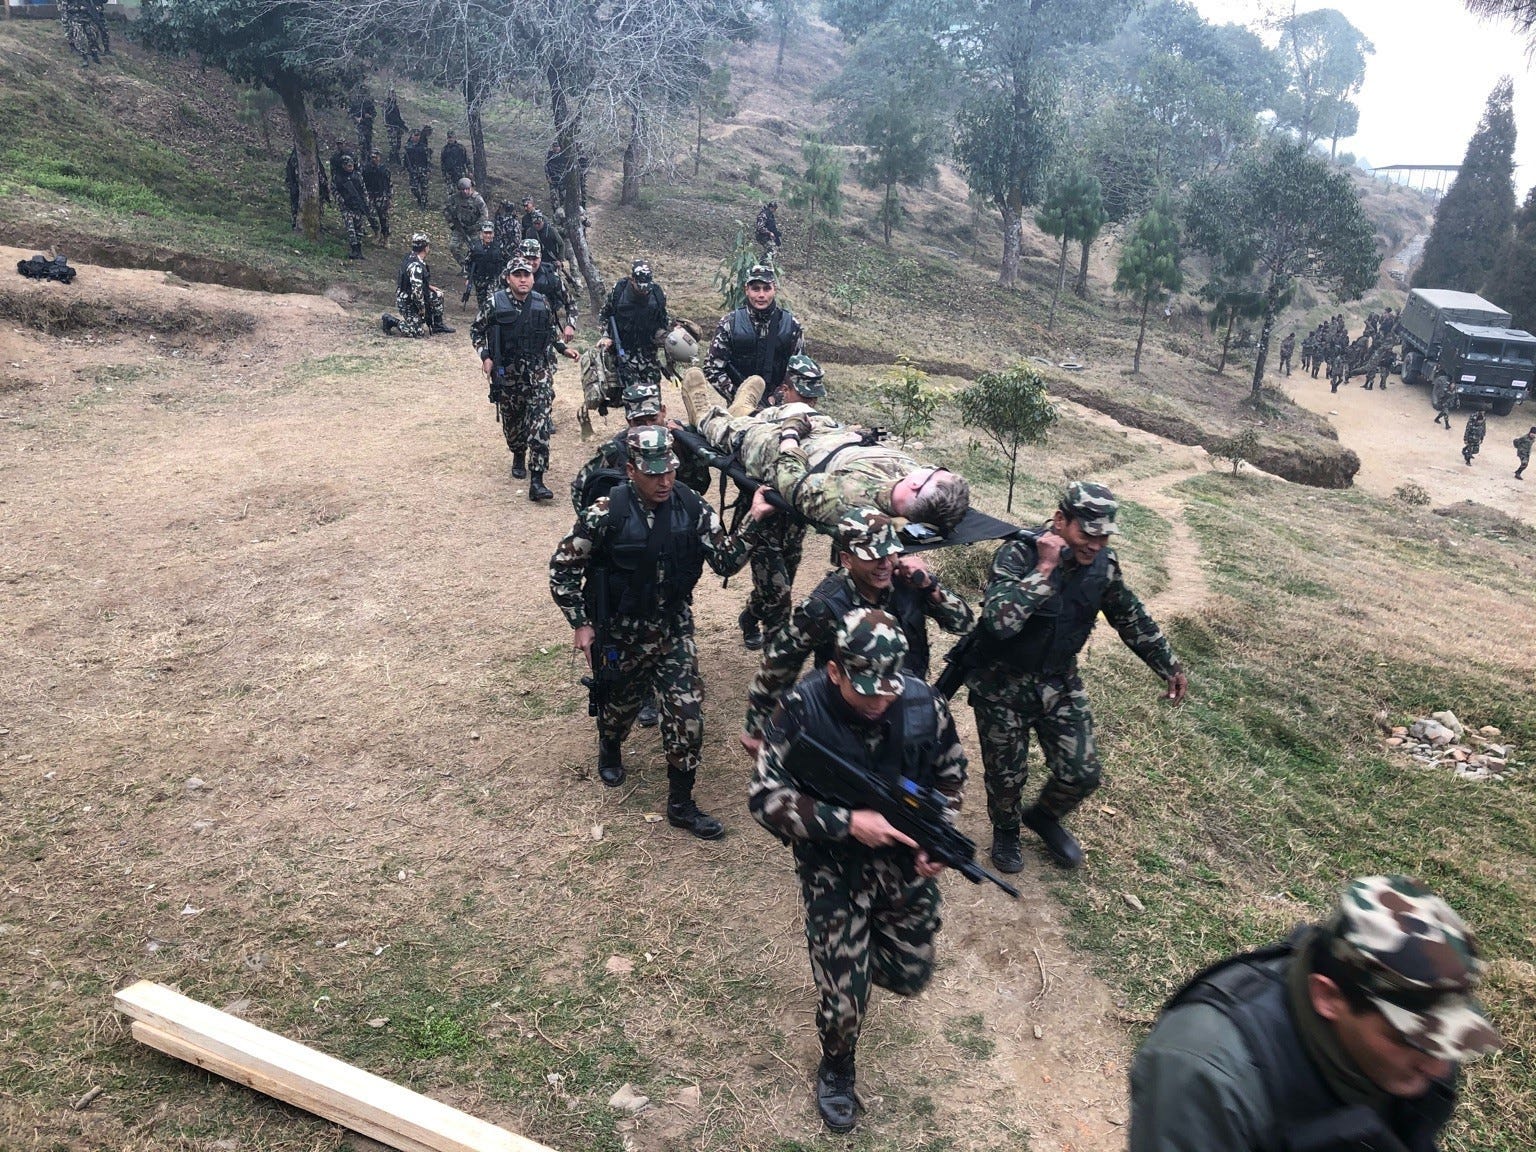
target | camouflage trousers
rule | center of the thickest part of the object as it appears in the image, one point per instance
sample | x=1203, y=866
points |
x=659, y=656
x=1057, y=711
x=416, y=320
x=357, y=227
x=524, y=407
x=418, y=178
x=80, y=32
x=458, y=244
x=775, y=558
x=869, y=919
x=1470, y=448
x=394, y=132
x=381, y=207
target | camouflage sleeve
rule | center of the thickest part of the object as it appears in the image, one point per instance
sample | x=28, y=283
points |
x=605, y=313
x=949, y=761
x=571, y=304
x=809, y=625
x=775, y=802
x=417, y=277
x=1139, y=631
x=1016, y=589
x=479, y=330
x=718, y=357
x=950, y=612
x=726, y=551
x=568, y=566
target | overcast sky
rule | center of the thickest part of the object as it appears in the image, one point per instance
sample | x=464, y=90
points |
x=1426, y=85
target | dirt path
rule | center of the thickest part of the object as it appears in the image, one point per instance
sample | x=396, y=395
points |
x=1397, y=440
x=317, y=585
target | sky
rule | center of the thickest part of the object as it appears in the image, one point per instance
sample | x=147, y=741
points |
x=1426, y=85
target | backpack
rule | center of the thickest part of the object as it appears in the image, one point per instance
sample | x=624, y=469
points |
x=601, y=388
x=41, y=268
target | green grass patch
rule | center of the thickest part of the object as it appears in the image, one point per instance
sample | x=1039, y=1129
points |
x=968, y=1034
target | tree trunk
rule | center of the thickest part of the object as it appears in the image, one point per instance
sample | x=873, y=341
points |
x=1271, y=306
x=1226, y=339
x=1013, y=467
x=778, y=63
x=890, y=190
x=1013, y=240
x=1080, y=289
x=302, y=128
x=698, y=142
x=476, y=145
x=567, y=128
x=629, y=185
x=1141, y=333
x=1061, y=279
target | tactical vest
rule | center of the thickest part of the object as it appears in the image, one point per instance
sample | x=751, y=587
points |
x=767, y=355
x=1250, y=990
x=907, y=748
x=546, y=282
x=403, y=278
x=1058, y=628
x=485, y=262
x=638, y=316
x=642, y=581
x=833, y=599
x=518, y=333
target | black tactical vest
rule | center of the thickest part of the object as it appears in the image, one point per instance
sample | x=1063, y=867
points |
x=906, y=748
x=638, y=585
x=546, y=282
x=518, y=333
x=1056, y=631
x=485, y=262
x=638, y=316
x=1250, y=990
x=767, y=355
x=833, y=599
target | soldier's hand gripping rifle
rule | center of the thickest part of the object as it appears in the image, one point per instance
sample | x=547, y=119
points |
x=908, y=807
x=963, y=656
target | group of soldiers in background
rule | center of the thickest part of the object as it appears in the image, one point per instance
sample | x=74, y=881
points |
x=85, y=27
x=1373, y=352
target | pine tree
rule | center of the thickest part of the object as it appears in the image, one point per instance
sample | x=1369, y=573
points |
x=1513, y=283
x=1073, y=210
x=1476, y=221
x=1149, y=264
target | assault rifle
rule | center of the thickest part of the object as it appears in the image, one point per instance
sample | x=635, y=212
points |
x=959, y=660
x=605, y=654
x=910, y=808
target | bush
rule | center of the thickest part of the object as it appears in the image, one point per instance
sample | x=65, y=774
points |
x=1411, y=493
x=1236, y=449
x=906, y=401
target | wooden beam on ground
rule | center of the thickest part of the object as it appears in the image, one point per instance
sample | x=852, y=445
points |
x=240, y=1051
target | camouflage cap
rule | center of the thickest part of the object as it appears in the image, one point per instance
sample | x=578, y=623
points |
x=870, y=648
x=487, y=226
x=1417, y=961
x=347, y=159
x=420, y=239
x=805, y=376
x=1093, y=506
x=532, y=247
x=516, y=264
x=643, y=399
x=640, y=272
x=867, y=534
x=762, y=274
x=650, y=450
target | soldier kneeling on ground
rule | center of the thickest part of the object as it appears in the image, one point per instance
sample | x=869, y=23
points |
x=419, y=300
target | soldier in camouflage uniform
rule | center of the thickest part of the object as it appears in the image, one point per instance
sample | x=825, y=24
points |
x=1345, y=1037
x=638, y=308
x=765, y=229
x=80, y=31
x=873, y=574
x=822, y=467
x=871, y=903
x=1523, y=451
x=381, y=192
x=483, y=266
x=356, y=211
x=513, y=336
x=418, y=167
x=1448, y=402
x=419, y=301
x=630, y=603
x=1472, y=436
x=464, y=211
x=757, y=339
x=548, y=282
x=1046, y=591
x=1287, y=349
x=1378, y=365
x=509, y=230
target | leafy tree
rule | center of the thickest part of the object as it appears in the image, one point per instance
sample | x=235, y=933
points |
x=906, y=401
x=731, y=277
x=819, y=189
x=1236, y=449
x=714, y=101
x=256, y=42
x=1149, y=263
x=1513, y=283
x=1281, y=214
x=1073, y=210
x=1521, y=13
x=784, y=16
x=1326, y=55
x=1476, y=219
x=1231, y=301
x=1011, y=409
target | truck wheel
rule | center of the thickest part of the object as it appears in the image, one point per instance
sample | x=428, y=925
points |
x=1441, y=390
x=1503, y=407
x=1413, y=362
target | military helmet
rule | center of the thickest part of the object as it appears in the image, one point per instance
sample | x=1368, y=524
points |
x=1093, y=506
x=532, y=247
x=805, y=376
x=465, y=182
x=681, y=347
x=870, y=649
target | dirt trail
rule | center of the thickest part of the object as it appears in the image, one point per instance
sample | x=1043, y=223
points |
x=254, y=565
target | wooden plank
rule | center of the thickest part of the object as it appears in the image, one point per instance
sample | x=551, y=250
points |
x=309, y=1079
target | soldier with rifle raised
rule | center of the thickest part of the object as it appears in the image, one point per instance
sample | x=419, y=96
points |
x=624, y=578
x=871, y=901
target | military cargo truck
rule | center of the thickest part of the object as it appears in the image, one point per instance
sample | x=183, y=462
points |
x=1459, y=340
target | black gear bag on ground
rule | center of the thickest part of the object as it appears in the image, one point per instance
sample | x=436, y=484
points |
x=41, y=268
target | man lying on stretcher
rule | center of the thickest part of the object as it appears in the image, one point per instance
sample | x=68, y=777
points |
x=824, y=468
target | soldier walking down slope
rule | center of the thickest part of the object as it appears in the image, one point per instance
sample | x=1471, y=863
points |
x=1472, y=436
x=1046, y=592
x=1523, y=451
x=394, y=125
x=1287, y=347
x=624, y=578
x=870, y=894
x=454, y=161
x=80, y=31
x=381, y=192
x=483, y=267
x=765, y=230
x=356, y=211
x=363, y=114
x=419, y=301
x=464, y=211
x=418, y=167
x=638, y=308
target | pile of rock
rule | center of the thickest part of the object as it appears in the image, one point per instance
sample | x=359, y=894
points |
x=1441, y=740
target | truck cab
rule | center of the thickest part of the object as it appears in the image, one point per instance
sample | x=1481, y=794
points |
x=1487, y=366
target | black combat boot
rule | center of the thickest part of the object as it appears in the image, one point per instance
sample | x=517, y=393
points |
x=1006, y=853
x=751, y=631
x=442, y=330
x=683, y=813
x=1061, y=845
x=648, y=716
x=355, y=252
x=536, y=490
x=835, y=1098
x=610, y=762
x=519, y=465
x=389, y=323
